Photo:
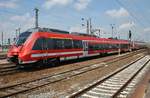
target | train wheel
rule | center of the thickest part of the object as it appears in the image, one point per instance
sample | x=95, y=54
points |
x=20, y=66
x=39, y=64
x=53, y=62
x=48, y=62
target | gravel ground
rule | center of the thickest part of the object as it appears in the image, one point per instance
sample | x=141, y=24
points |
x=65, y=87
x=32, y=74
x=3, y=54
x=147, y=95
x=142, y=90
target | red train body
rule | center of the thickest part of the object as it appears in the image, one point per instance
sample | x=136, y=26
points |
x=46, y=45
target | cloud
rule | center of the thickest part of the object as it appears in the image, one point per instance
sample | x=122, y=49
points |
x=81, y=4
x=118, y=13
x=8, y=26
x=77, y=4
x=5, y=25
x=20, y=17
x=25, y=20
x=147, y=29
x=51, y=3
x=9, y=4
x=127, y=25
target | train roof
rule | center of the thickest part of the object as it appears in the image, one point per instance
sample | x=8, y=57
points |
x=78, y=36
x=47, y=30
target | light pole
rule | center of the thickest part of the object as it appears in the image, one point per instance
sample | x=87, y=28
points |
x=36, y=18
x=2, y=40
x=19, y=30
x=119, y=48
x=88, y=25
x=16, y=33
x=112, y=27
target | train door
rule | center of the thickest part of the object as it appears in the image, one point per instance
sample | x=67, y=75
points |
x=45, y=50
x=85, y=48
x=48, y=44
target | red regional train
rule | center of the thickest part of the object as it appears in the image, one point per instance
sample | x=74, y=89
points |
x=52, y=45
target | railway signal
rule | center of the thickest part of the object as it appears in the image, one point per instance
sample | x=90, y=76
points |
x=130, y=34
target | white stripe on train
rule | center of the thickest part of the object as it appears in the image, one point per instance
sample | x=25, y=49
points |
x=54, y=54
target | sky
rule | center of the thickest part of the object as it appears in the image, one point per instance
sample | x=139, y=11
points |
x=124, y=15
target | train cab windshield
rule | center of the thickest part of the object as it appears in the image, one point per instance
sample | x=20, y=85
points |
x=22, y=38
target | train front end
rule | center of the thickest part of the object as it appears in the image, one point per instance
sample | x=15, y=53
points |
x=13, y=54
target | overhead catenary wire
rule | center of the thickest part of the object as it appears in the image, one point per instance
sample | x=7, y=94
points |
x=131, y=14
x=141, y=23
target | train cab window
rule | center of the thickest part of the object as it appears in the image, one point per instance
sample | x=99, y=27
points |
x=22, y=38
x=39, y=44
x=77, y=44
x=67, y=43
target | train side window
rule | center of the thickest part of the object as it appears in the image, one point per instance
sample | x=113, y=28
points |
x=109, y=46
x=91, y=47
x=113, y=46
x=100, y=46
x=116, y=46
x=96, y=47
x=105, y=46
x=67, y=43
x=59, y=44
x=50, y=43
x=80, y=44
x=77, y=44
x=39, y=44
x=121, y=45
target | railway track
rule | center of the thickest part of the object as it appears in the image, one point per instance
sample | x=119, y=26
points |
x=116, y=85
x=4, y=62
x=16, y=88
x=12, y=69
x=2, y=56
x=8, y=68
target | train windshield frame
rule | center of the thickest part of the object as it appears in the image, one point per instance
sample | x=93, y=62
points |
x=22, y=38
